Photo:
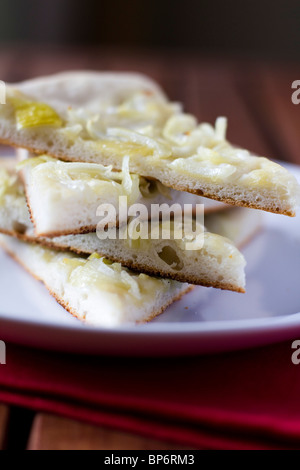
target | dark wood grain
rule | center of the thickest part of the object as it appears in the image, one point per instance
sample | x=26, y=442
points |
x=54, y=433
x=214, y=89
x=267, y=92
x=207, y=87
x=280, y=116
x=4, y=417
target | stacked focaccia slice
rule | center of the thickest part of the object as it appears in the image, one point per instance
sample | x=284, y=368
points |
x=113, y=137
x=100, y=289
x=93, y=289
x=102, y=117
x=216, y=262
x=67, y=198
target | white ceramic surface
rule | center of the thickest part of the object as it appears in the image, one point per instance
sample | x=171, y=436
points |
x=204, y=321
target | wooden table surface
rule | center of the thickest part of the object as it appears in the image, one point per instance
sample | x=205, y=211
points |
x=256, y=98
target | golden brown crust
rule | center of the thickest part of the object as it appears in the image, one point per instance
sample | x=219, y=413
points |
x=178, y=186
x=230, y=201
x=59, y=300
x=155, y=314
x=181, y=277
x=80, y=231
x=20, y=236
x=33, y=239
x=136, y=267
x=73, y=312
x=151, y=271
x=29, y=208
x=64, y=304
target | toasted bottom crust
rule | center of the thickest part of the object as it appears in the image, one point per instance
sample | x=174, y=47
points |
x=55, y=246
x=33, y=239
x=233, y=202
x=69, y=309
x=178, y=187
x=80, y=231
x=155, y=314
x=136, y=267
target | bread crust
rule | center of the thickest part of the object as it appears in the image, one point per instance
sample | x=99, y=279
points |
x=136, y=267
x=72, y=311
x=155, y=314
x=60, y=233
x=177, y=186
x=151, y=271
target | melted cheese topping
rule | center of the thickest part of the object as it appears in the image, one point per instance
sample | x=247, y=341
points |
x=99, y=273
x=90, y=177
x=13, y=205
x=146, y=127
x=62, y=177
x=11, y=189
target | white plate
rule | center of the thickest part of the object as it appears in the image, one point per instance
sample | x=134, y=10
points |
x=206, y=320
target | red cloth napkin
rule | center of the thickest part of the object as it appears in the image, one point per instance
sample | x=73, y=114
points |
x=241, y=400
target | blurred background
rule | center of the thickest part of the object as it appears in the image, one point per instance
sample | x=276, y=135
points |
x=233, y=58
x=260, y=28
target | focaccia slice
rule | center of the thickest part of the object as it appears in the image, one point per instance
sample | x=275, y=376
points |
x=216, y=263
x=100, y=118
x=95, y=290
x=64, y=198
